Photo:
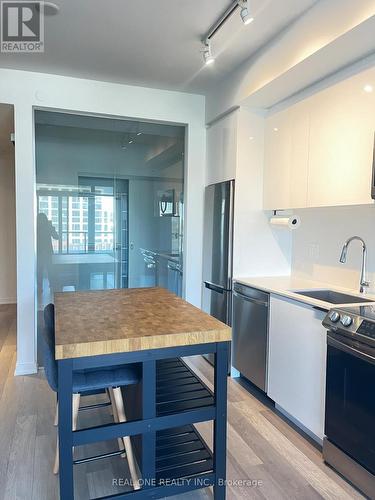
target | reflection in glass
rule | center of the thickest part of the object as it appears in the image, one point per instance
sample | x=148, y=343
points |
x=110, y=204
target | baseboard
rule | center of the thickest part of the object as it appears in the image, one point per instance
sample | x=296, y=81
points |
x=8, y=300
x=296, y=422
x=25, y=369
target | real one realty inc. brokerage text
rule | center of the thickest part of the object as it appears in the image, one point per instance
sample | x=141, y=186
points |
x=199, y=482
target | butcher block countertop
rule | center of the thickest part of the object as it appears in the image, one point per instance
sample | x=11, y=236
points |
x=112, y=321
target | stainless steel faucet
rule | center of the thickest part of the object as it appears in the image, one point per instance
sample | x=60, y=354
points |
x=363, y=282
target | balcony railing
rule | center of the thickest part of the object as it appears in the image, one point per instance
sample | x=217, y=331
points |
x=73, y=242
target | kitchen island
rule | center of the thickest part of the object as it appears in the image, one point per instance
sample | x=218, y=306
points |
x=155, y=328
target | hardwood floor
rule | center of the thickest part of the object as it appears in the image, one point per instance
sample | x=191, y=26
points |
x=272, y=460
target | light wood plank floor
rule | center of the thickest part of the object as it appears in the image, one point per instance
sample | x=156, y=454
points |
x=262, y=447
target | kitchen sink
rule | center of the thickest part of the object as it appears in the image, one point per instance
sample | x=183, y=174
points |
x=333, y=297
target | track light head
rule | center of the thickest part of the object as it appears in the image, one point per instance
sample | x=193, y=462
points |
x=245, y=14
x=207, y=54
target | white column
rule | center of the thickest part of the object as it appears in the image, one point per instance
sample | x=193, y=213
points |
x=26, y=239
x=194, y=179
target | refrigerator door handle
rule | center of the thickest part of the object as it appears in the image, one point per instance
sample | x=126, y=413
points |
x=215, y=288
x=231, y=233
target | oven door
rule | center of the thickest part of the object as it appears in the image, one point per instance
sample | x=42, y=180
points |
x=350, y=399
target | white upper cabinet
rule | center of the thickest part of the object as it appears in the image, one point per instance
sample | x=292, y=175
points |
x=286, y=159
x=319, y=152
x=341, y=144
x=277, y=151
x=222, y=150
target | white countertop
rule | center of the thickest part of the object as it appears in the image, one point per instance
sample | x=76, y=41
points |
x=286, y=285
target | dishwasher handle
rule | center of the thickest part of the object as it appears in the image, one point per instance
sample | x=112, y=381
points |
x=251, y=299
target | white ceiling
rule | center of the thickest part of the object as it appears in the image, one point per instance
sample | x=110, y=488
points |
x=152, y=43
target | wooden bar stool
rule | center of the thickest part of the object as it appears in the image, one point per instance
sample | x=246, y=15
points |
x=88, y=382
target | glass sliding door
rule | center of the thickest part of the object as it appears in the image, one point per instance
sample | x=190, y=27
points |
x=110, y=201
x=87, y=227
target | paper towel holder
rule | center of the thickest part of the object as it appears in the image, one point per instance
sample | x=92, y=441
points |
x=285, y=218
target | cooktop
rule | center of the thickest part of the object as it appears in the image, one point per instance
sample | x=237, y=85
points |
x=366, y=312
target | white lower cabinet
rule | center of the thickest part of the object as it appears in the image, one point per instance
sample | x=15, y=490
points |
x=297, y=362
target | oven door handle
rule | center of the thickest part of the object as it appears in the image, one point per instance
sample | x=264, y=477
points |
x=350, y=350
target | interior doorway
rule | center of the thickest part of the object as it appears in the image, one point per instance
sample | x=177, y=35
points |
x=110, y=204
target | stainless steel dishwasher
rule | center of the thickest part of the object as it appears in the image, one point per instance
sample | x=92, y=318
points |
x=250, y=334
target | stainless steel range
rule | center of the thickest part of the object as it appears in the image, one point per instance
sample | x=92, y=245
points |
x=349, y=445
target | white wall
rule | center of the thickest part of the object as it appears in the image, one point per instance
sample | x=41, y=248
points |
x=325, y=22
x=7, y=229
x=318, y=241
x=27, y=90
x=259, y=249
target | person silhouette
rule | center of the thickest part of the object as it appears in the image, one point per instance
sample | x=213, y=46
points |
x=45, y=233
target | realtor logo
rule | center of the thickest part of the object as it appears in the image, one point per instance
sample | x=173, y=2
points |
x=22, y=26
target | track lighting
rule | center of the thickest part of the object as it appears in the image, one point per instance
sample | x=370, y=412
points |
x=207, y=54
x=246, y=17
x=245, y=14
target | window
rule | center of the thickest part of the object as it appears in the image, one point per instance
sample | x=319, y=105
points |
x=82, y=226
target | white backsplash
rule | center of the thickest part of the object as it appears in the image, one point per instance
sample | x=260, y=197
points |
x=318, y=241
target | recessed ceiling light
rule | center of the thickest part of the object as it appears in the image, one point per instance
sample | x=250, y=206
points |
x=131, y=142
x=251, y=138
x=275, y=129
x=368, y=88
x=139, y=133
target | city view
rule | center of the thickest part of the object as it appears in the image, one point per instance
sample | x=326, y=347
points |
x=84, y=223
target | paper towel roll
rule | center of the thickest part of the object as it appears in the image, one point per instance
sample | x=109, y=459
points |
x=291, y=222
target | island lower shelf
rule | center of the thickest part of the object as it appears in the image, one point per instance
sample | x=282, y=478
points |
x=181, y=452
x=178, y=388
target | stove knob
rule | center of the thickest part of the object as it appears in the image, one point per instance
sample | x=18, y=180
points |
x=334, y=316
x=346, y=320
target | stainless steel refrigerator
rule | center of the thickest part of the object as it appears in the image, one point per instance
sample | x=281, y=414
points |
x=217, y=253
